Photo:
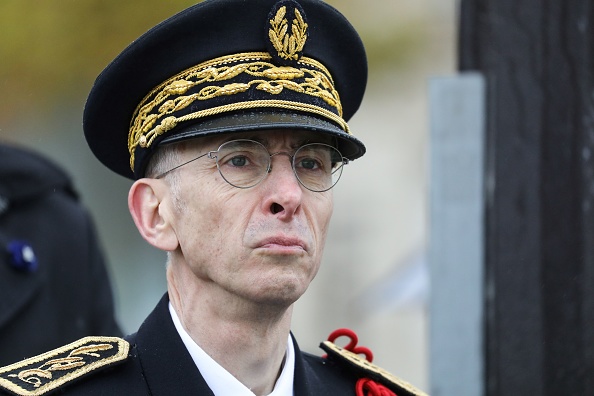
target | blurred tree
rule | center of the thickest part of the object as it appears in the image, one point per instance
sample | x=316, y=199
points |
x=57, y=47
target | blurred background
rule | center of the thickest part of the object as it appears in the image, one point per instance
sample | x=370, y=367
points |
x=374, y=276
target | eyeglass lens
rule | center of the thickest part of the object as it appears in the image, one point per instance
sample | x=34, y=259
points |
x=244, y=163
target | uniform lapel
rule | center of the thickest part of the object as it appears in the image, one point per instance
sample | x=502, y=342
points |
x=304, y=379
x=166, y=363
x=169, y=369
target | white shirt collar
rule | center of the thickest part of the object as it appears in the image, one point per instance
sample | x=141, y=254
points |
x=219, y=380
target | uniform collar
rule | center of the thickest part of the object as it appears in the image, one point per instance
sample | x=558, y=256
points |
x=219, y=380
x=167, y=366
x=169, y=369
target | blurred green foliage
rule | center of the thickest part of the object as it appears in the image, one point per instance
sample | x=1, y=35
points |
x=52, y=50
x=58, y=47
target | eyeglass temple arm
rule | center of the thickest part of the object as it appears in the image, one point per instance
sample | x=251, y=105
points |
x=185, y=163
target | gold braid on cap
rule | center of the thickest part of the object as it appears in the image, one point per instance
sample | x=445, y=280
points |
x=177, y=99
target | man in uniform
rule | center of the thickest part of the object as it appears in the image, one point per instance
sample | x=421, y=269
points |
x=231, y=117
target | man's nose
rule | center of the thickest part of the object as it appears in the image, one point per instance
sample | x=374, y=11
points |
x=284, y=190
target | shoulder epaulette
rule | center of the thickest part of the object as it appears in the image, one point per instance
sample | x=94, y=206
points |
x=41, y=374
x=350, y=357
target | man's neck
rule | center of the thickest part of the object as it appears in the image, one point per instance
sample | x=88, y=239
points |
x=247, y=340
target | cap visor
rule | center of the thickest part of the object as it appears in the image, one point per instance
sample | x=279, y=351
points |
x=348, y=145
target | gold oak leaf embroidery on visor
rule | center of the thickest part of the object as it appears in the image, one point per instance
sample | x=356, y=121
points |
x=158, y=113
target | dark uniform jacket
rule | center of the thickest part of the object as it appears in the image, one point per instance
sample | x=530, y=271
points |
x=160, y=365
x=154, y=361
x=67, y=295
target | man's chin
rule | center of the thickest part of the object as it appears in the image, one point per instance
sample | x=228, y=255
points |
x=281, y=295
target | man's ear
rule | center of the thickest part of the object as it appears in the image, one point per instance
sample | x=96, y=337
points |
x=147, y=204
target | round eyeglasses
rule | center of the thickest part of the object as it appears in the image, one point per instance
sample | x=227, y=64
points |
x=245, y=163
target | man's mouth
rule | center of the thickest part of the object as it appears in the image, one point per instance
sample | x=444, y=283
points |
x=283, y=244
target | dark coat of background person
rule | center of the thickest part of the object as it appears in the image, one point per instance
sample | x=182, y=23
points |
x=68, y=295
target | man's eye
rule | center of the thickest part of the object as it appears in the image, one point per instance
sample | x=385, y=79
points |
x=308, y=163
x=239, y=160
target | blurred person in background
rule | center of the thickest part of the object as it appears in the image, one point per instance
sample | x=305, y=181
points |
x=231, y=119
x=54, y=285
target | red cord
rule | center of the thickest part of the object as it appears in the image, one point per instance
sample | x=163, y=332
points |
x=368, y=387
x=364, y=386
x=352, y=345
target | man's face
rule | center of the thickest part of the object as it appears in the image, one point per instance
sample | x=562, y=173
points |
x=263, y=244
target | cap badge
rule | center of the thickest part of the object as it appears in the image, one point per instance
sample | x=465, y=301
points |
x=287, y=43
